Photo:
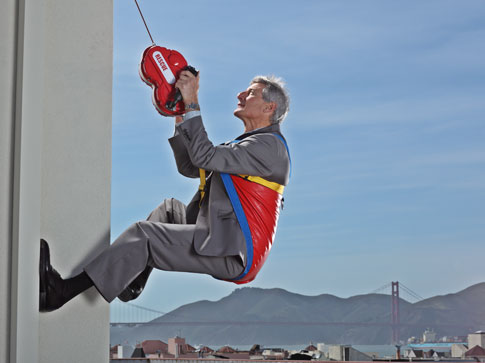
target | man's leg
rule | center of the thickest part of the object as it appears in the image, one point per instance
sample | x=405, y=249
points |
x=163, y=246
x=169, y=211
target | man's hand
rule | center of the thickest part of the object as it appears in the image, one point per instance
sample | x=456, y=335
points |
x=188, y=84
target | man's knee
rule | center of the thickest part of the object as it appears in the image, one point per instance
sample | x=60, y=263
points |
x=231, y=268
x=142, y=227
x=170, y=210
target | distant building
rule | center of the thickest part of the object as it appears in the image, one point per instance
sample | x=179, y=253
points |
x=275, y=353
x=311, y=348
x=477, y=353
x=413, y=353
x=123, y=351
x=429, y=336
x=154, y=348
x=177, y=346
x=226, y=349
x=113, y=351
x=458, y=350
x=346, y=353
x=477, y=338
x=138, y=352
x=256, y=350
x=206, y=349
x=321, y=347
x=413, y=340
x=421, y=354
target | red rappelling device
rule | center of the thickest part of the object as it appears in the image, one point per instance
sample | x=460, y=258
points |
x=160, y=68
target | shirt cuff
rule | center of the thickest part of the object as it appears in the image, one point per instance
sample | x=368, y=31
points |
x=191, y=114
x=187, y=116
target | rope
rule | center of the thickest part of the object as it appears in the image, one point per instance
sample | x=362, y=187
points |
x=144, y=22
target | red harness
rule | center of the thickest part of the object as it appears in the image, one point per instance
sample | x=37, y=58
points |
x=256, y=203
x=261, y=205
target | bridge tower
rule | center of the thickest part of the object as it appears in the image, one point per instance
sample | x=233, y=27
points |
x=395, y=312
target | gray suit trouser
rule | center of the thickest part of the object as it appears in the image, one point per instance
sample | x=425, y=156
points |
x=165, y=242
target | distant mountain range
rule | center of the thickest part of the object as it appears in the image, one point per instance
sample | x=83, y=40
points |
x=361, y=319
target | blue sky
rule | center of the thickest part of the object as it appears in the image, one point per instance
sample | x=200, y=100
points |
x=386, y=133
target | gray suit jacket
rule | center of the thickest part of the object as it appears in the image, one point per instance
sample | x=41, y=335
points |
x=258, y=153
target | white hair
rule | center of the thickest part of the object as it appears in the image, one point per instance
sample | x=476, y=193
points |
x=275, y=91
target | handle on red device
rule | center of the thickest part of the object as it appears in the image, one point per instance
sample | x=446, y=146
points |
x=178, y=95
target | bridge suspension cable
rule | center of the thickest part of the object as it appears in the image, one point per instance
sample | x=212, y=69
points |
x=410, y=292
x=404, y=288
x=128, y=312
x=383, y=287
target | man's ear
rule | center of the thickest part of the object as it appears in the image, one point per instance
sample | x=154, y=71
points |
x=270, y=107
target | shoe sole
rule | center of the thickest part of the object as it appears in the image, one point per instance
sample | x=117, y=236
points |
x=44, y=256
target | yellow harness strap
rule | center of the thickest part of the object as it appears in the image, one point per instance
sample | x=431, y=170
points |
x=202, y=185
x=255, y=179
x=271, y=185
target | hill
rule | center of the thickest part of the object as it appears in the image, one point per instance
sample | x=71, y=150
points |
x=283, y=317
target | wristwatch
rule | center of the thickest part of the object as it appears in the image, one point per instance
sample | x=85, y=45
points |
x=192, y=106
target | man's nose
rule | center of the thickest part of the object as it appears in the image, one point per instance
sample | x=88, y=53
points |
x=241, y=96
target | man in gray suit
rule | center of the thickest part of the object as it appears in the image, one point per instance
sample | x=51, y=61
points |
x=204, y=237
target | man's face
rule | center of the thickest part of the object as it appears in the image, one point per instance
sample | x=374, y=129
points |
x=251, y=105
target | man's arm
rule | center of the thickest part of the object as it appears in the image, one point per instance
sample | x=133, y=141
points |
x=261, y=155
x=182, y=158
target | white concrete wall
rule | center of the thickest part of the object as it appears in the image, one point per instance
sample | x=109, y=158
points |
x=55, y=162
x=25, y=211
x=7, y=89
x=76, y=168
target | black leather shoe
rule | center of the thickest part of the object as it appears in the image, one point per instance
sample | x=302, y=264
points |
x=50, y=282
x=136, y=287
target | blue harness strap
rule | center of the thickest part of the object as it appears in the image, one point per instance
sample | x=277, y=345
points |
x=286, y=145
x=241, y=216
